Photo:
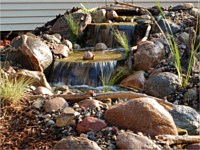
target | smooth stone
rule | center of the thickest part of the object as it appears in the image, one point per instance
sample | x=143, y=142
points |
x=135, y=80
x=144, y=115
x=161, y=84
x=195, y=12
x=129, y=140
x=42, y=90
x=148, y=55
x=88, y=55
x=76, y=46
x=51, y=38
x=186, y=118
x=99, y=16
x=68, y=44
x=91, y=104
x=55, y=104
x=76, y=143
x=66, y=117
x=90, y=124
x=184, y=37
x=110, y=15
x=100, y=46
x=61, y=50
x=37, y=104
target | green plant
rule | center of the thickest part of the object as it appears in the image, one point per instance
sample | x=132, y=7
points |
x=73, y=27
x=113, y=79
x=122, y=40
x=175, y=51
x=86, y=10
x=12, y=89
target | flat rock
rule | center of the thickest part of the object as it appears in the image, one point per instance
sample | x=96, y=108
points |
x=129, y=140
x=135, y=80
x=161, y=84
x=186, y=118
x=90, y=124
x=76, y=143
x=61, y=50
x=141, y=115
x=55, y=104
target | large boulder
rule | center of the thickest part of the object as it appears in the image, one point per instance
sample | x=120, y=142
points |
x=141, y=115
x=148, y=55
x=79, y=143
x=31, y=52
x=161, y=84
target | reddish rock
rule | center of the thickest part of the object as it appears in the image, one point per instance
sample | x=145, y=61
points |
x=55, y=104
x=144, y=115
x=76, y=143
x=136, y=80
x=61, y=50
x=148, y=55
x=90, y=124
x=129, y=140
x=90, y=104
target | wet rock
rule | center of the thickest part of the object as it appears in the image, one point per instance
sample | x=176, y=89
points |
x=90, y=124
x=37, y=104
x=141, y=115
x=136, y=80
x=111, y=15
x=31, y=53
x=52, y=38
x=129, y=140
x=42, y=90
x=66, y=118
x=55, y=104
x=88, y=56
x=91, y=104
x=68, y=44
x=61, y=27
x=79, y=143
x=148, y=55
x=100, y=46
x=161, y=84
x=38, y=78
x=99, y=16
x=186, y=118
x=61, y=50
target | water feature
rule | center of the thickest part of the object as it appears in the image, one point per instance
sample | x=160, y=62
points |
x=76, y=71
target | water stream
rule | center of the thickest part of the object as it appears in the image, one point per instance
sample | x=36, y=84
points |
x=76, y=71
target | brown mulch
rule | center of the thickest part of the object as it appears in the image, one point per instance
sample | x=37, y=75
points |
x=19, y=130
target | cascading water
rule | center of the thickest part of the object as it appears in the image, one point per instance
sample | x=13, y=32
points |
x=75, y=71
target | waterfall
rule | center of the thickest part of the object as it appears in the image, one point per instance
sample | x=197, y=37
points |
x=82, y=73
